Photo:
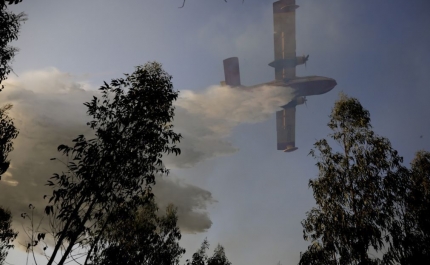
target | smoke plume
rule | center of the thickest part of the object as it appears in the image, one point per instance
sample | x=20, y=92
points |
x=206, y=119
x=48, y=110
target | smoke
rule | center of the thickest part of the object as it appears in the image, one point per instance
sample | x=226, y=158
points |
x=207, y=119
x=48, y=110
x=193, y=217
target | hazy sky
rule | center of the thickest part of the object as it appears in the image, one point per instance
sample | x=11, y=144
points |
x=231, y=184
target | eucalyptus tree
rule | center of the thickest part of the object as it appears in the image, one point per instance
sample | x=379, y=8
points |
x=353, y=193
x=9, y=28
x=10, y=24
x=7, y=234
x=219, y=257
x=410, y=230
x=11, y=2
x=8, y=132
x=116, y=168
x=142, y=237
x=201, y=258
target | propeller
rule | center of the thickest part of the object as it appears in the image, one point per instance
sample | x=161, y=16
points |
x=299, y=101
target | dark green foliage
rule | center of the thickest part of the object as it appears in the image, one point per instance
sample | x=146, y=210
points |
x=201, y=258
x=354, y=206
x=219, y=257
x=9, y=28
x=113, y=171
x=366, y=200
x=8, y=132
x=11, y=2
x=410, y=231
x=7, y=235
x=142, y=238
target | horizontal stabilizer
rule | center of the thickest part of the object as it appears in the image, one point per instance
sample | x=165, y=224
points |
x=231, y=71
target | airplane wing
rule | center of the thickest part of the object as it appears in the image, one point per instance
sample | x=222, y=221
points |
x=286, y=129
x=284, y=23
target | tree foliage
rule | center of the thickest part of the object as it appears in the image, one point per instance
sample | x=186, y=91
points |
x=9, y=28
x=8, y=132
x=410, y=231
x=7, y=235
x=115, y=170
x=368, y=204
x=200, y=257
x=10, y=24
x=11, y=2
x=142, y=237
x=352, y=193
x=219, y=257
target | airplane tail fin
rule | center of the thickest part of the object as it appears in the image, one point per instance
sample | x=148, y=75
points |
x=231, y=71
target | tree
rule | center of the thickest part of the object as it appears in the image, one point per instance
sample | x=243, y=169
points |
x=8, y=132
x=142, y=238
x=9, y=28
x=7, y=235
x=354, y=199
x=200, y=257
x=10, y=24
x=10, y=2
x=219, y=257
x=410, y=231
x=115, y=170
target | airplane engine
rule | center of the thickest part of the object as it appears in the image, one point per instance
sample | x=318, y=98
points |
x=295, y=102
x=302, y=59
x=232, y=72
x=301, y=100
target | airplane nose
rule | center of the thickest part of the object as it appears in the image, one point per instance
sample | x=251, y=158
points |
x=310, y=86
x=331, y=84
x=327, y=85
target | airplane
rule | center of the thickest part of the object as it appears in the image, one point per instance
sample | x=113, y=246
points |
x=284, y=18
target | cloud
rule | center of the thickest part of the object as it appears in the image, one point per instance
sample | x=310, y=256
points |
x=193, y=217
x=48, y=110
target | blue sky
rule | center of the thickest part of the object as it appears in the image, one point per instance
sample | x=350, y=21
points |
x=252, y=196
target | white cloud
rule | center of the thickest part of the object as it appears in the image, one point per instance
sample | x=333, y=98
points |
x=48, y=110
